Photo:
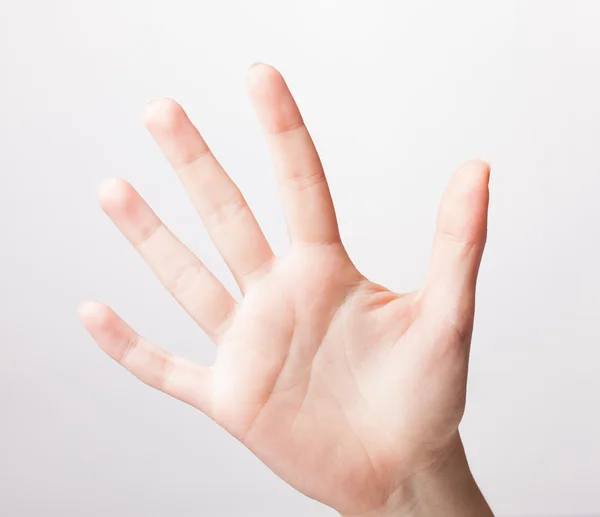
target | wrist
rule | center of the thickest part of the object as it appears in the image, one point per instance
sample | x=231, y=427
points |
x=447, y=488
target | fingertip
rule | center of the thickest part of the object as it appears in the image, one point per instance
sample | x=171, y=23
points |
x=484, y=163
x=114, y=194
x=106, y=328
x=484, y=168
x=162, y=112
x=84, y=308
x=107, y=186
x=93, y=314
x=260, y=74
x=476, y=170
x=257, y=63
x=470, y=180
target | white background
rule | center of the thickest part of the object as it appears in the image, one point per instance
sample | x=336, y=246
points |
x=397, y=94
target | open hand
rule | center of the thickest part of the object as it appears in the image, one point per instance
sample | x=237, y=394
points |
x=349, y=392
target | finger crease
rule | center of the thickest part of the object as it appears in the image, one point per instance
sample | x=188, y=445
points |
x=148, y=233
x=165, y=372
x=226, y=210
x=300, y=182
x=128, y=348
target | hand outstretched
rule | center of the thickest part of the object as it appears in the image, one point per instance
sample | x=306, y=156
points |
x=349, y=392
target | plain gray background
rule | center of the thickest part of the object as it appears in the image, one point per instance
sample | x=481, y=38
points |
x=397, y=94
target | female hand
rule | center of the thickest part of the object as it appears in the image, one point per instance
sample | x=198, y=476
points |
x=349, y=392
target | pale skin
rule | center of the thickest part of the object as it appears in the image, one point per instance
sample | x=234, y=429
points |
x=349, y=392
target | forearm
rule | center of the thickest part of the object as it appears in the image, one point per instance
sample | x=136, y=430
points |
x=447, y=490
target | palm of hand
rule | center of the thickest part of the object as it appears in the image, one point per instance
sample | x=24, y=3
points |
x=343, y=388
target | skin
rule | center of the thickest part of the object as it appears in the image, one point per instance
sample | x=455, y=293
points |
x=349, y=392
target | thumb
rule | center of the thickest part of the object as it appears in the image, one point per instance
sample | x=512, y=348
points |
x=458, y=247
